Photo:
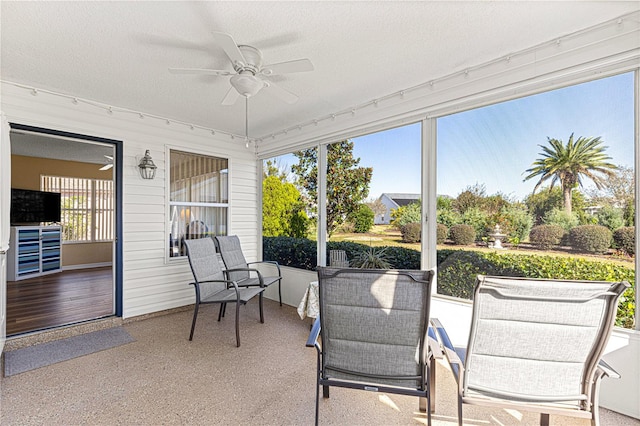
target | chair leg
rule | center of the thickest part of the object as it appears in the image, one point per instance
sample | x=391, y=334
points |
x=261, y=309
x=595, y=397
x=432, y=384
x=193, y=323
x=318, y=390
x=459, y=410
x=238, y=324
x=544, y=419
x=280, y=290
x=220, y=313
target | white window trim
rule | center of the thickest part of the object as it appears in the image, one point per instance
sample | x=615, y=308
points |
x=168, y=203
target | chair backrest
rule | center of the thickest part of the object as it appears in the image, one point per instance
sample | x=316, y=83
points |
x=374, y=325
x=205, y=265
x=196, y=229
x=538, y=340
x=338, y=259
x=232, y=256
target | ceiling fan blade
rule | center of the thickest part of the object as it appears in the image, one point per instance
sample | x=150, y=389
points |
x=231, y=97
x=199, y=71
x=281, y=93
x=299, y=65
x=106, y=167
x=229, y=46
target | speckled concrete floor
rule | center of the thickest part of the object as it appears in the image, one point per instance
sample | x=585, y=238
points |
x=162, y=378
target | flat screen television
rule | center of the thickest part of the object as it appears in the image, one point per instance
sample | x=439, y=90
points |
x=34, y=207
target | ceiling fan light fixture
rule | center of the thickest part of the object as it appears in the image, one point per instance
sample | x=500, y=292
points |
x=246, y=84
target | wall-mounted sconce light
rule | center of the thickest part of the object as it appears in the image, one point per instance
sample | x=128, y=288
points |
x=147, y=168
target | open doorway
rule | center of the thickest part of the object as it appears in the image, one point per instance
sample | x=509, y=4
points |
x=63, y=260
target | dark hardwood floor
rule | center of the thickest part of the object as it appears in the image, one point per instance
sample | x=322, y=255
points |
x=58, y=299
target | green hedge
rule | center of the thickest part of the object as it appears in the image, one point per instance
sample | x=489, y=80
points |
x=457, y=272
x=302, y=253
x=457, y=269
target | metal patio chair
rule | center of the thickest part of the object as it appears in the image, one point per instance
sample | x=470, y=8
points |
x=373, y=333
x=212, y=285
x=535, y=345
x=239, y=269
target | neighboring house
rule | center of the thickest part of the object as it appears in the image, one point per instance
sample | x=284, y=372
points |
x=393, y=201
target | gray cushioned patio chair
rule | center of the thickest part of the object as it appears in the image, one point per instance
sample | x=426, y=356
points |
x=373, y=329
x=213, y=286
x=535, y=345
x=233, y=258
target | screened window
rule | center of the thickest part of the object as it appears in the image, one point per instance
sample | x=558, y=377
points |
x=87, y=207
x=199, y=198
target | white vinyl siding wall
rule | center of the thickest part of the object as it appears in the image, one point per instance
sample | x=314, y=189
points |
x=150, y=282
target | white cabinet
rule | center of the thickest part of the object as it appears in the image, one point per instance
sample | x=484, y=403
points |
x=33, y=251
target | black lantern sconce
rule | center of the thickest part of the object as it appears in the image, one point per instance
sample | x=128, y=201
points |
x=147, y=168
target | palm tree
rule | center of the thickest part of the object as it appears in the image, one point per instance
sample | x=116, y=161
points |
x=569, y=163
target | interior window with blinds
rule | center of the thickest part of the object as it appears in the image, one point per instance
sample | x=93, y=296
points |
x=199, y=198
x=87, y=207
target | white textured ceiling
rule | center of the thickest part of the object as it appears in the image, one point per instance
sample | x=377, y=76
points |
x=118, y=53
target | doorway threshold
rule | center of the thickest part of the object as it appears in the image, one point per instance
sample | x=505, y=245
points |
x=23, y=340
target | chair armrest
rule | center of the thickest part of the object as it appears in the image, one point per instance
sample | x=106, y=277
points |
x=607, y=370
x=434, y=345
x=457, y=366
x=219, y=281
x=226, y=271
x=212, y=281
x=313, y=335
x=272, y=262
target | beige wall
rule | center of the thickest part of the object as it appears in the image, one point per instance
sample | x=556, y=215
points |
x=26, y=171
x=25, y=174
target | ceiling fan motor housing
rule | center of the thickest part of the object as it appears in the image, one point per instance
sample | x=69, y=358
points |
x=253, y=60
x=245, y=81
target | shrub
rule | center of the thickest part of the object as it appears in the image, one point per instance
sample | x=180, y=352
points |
x=546, y=236
x=362, y=219
x=302, y=253
x=289, y=251
x=406, y=214
x=411, y=232
x=448, y=217
x=518, y=221
x=625, y=239
x=478, y=219
x=373, y=258
x=610, y=217
x=282, y=209
x=457, y=273
x=561, y=218
x=590, y=238
x=441, y=233
x=458, y=269
x=462, y=234
x=403, y=258
x=629, y=213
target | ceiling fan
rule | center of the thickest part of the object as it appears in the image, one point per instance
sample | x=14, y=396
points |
x=108, y=164
x=247, y=79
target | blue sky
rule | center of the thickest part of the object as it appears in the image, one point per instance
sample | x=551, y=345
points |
x=494, y=145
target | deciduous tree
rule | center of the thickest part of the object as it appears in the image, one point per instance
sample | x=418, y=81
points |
x=347, y=182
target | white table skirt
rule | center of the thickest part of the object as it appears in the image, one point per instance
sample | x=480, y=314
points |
x=310, y=304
